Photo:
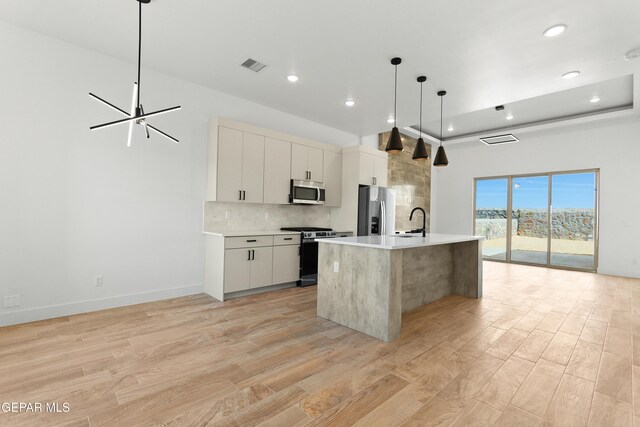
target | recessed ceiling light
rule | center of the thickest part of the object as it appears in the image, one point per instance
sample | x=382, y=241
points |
x=571, y=74
x=450, y=129
x=595, y=99
x=554, y=31
x=390, y=120
x=292, y=78
x=509, y=117
x=349, y=102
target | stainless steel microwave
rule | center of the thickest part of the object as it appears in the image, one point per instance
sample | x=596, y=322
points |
x=306, y=192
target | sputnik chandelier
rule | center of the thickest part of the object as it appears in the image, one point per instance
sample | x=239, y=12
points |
x=137, y=115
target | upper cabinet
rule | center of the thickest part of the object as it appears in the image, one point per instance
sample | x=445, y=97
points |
x=373, y=169
x=307, y=163
x=333, y=178
x=248, y=164
x=277, y=171
x=240, y=166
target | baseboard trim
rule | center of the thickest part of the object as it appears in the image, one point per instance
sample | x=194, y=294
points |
x=61, y=310
x=619, y=273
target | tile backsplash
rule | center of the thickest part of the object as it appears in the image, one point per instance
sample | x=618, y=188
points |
x=253, y=216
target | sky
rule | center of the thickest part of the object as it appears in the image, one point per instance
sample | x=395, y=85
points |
x=568, y=191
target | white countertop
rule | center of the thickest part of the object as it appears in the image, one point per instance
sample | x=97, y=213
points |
x=397, y=242
x=251, y=233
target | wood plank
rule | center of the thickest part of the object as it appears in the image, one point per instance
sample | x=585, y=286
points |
x=504, y=384
x=585, y=361
x=614, y=377
x=560, y=348
x=572, y=402
x=538, y=388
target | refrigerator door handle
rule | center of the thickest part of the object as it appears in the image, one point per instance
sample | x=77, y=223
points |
x=383, y=219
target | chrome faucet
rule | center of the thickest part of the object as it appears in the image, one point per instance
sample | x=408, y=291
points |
x=424, y=220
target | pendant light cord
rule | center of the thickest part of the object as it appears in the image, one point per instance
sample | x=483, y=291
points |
x=441, y=100
x=420, y=109
x=139, y=47
x=395, y=100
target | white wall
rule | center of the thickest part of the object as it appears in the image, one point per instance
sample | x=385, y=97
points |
x=614, y=147
x=76, y=204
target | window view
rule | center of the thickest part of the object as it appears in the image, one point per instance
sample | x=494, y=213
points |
x=573, y=220
x=491, y=217
x=530, y=215
x=546, y=219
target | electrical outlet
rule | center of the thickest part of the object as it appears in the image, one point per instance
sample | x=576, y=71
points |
x=336, y=266
x=11, y=301
x=266, y=216
x=328, y=217
x=98, y=281
x=227, y=214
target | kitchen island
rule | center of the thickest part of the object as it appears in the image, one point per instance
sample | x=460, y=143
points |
x=367, y=282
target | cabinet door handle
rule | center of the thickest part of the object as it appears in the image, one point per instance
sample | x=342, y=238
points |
x=239, y=194
x=253, y=254
x=249, y=255
x=250, y=241
x=244, y=195
x=288, y=238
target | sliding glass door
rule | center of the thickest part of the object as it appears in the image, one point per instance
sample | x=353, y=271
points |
x=573, y=220
x=491, y=216
x=530, y=210
x=540, y=219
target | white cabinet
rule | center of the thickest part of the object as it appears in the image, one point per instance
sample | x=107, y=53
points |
x=261, y=267
x=250, y=263
x=332, y=178
x=252, y=168
x=315, y=162
x=247, y=268
x=240, y=166
x=373, y=170
x=286, y=264
x=248, y=164
x=237, y=274
x=380, y=172
x=229, y=165
x=277, y=171
x=306, y=162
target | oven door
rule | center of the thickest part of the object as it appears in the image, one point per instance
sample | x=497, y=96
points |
x=307, y=193
x=308, y=263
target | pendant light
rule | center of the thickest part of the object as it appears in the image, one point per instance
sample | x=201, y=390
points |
x=441, y=157
x=137, y=115
x=394, y=145
x=420, y=154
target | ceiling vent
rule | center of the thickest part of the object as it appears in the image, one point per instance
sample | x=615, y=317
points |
x=499, y=139
x=253, y=65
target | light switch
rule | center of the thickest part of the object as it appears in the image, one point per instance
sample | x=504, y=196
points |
x=336, y=266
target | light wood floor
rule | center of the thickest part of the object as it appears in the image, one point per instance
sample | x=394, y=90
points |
x=542, y=346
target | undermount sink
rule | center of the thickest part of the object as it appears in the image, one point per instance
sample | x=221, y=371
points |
x=406, y=236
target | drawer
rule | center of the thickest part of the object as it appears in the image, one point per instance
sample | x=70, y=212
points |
x=293, y=239
x=247, y=242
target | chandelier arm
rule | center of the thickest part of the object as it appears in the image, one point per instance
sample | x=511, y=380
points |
x=108, y=104
x=117, y=122
x=166, y=135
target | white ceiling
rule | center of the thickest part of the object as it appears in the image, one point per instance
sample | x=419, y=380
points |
x=484, y=53
x=614, y=94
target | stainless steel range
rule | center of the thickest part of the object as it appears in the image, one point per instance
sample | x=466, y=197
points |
x=309, y=251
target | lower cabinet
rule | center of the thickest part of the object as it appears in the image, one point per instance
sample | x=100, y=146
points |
x=247, y=262
x=247, y=268
x=286, y=264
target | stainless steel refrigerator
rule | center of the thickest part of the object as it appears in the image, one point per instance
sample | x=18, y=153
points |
x=376, y=211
